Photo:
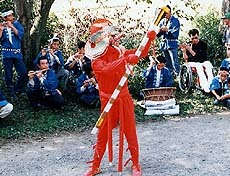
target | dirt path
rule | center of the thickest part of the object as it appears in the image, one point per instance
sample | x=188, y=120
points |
x=197, y=146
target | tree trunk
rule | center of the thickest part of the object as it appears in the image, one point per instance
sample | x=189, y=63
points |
x=33, y=15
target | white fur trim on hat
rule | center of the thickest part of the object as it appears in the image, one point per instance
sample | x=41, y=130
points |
x=4, y=14
x=94, y=50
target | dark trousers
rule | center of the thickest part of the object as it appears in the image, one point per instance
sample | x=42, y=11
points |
x=37, y=97
x=20, y=68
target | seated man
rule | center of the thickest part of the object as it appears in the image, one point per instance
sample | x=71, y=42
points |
x=219, y=87
x=195, y=52
x=87, y=87
x=74, y=63
x=42, y=86
x=55, y=61
x=157, y=75
x=5, y=106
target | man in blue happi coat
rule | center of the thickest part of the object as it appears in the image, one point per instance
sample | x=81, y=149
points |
x=43, y=86
x=169, y=31
x=11, y=33
x=157, y=75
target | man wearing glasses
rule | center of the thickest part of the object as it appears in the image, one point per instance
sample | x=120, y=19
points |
x=195, y=53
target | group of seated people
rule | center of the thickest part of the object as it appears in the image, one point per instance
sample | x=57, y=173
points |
x=195, y=54
x=52, y=75
x=47, y=83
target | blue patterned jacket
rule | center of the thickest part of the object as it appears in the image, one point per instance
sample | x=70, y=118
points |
x=170, y=38
x=165, y=78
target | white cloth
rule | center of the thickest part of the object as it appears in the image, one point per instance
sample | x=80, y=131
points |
x=161, y=107
x=10, y=35
x=150, y=103
x=174, y=111
x=204, y=81
x=158, y=78
x=6, y=110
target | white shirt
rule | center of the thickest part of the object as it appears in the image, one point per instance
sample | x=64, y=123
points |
x=158, y=78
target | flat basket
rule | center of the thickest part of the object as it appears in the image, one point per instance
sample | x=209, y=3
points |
x=159, y=94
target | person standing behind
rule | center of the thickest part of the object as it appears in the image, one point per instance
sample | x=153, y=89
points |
x=11, y=33
x=226, y=34
x=195, y=52
x=74, y=63
x=5, y=106
x=157, y=75
x=226, y=40
x=169, y=30
x=226, y=62
x=87, y=87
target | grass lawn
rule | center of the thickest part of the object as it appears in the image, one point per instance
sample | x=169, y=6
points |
x=27, y=122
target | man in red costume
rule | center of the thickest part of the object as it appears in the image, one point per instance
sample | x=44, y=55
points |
x=109, y=62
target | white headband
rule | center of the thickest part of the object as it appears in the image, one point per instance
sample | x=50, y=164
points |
x=4, y=14
x=52, y=40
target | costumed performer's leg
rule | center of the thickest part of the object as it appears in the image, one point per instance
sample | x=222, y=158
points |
x=102, y=139
x=131, y=135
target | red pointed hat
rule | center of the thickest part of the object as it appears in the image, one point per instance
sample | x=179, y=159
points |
x=100, y=31
x=98, y=25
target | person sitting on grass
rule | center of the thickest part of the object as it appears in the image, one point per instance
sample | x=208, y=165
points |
x=42, y=86
x=5, y=106
x=219, y=87
x=157, y=75
x=75, y=62
x=87, y=87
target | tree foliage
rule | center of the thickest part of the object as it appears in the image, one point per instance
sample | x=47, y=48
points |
x=208, y=26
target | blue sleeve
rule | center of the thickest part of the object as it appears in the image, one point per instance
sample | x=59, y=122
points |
x=60, y=56
x=80, y=82
x=51, y=82
x=174, y=28
x=20, y=29
x=169, y=79
x=224, y=63
x=215, y=84
x=36, y=85
x=35, y=62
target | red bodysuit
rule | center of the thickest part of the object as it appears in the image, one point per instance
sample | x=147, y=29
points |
x=109, y=68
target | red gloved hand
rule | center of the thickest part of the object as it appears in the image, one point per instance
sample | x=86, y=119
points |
x=151, y=35
x=132, y=59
